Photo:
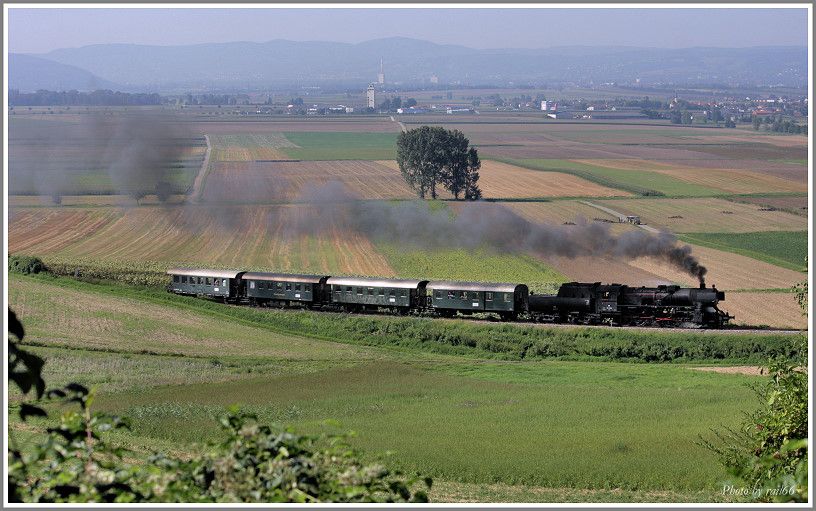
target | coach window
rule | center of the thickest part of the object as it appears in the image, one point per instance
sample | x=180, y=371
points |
x=200, y=280
x=371, y=291
x=338, y=291
x=279, y=285
x=381, y=292
x=349, y=289
x=392, y=293
x=288, y=287
x=463, y=295
x=360, y=291
x=403, y=293
x=451, y=294
x=183, y=280
x=508, y=297
x=297, y=287
x=488, y=296
x=251, y=284
x=209, y=281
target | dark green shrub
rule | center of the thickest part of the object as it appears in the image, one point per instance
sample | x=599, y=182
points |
x=25, y=264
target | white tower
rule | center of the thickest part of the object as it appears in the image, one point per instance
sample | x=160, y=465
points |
x=381, y=74
x=370, y=100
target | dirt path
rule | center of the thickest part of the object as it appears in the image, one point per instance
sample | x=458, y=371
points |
x=202, y=172
x=619, y=215
x=402, y=126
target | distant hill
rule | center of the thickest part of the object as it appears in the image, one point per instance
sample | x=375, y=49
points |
x=279, y=62
x=29, y=74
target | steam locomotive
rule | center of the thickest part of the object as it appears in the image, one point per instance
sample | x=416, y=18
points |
x=580, y=303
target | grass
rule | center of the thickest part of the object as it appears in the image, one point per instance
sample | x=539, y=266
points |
x=469, y=265
x=787, y=249
x=484, y=428
x=341, y=146
x=634, y=181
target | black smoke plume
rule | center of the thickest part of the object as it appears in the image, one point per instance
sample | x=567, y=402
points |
x=484, y=225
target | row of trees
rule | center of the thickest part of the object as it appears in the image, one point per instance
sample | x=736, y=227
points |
x=429, y=156
x=778, y=125
x=396, y=102
x=76, y=98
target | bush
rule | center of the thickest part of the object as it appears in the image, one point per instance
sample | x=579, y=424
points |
x=25, y=264
x=768, y=453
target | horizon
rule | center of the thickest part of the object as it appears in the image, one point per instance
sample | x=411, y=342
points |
x=534, y=28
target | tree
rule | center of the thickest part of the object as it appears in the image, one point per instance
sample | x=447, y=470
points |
x=472, y=190
x=410, y=102
x=428, y=156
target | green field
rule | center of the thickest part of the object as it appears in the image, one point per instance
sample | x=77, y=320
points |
x=535, y=428
x=782, y=248
x=340, y=145
x=470, y=265
x=635, y=181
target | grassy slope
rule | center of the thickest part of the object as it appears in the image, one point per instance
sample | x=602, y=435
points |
x=460, y=419
x=341, y=146
x=635, y=181
x=782, y=248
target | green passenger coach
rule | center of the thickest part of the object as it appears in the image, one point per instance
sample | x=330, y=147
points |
x=283, y=289
x=222, y=284
x=447, y=297
x=372, y=293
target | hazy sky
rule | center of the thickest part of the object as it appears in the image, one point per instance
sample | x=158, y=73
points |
x=42, y=30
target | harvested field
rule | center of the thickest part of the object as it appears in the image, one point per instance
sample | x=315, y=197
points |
x=277, y=125
x=249, y=146
x=235, y=236
x=706, y=215
x=592, y=269
x=797, y=205
x=50, y=230
x=555, y=212
x=89, y=200
x=286, y=181
x=777, y=310
x=727, y=270
x=726, y=180
x=506, y=181
x=749, y=370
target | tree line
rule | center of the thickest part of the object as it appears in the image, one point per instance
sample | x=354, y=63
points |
x=76, y=98
x=430, y=156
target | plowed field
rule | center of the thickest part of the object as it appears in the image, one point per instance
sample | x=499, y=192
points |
x=779, y=310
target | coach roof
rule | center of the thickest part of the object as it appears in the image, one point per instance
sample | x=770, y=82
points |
x=284, y=277
x=366, y=282
x=447, y=285
x=205, y=272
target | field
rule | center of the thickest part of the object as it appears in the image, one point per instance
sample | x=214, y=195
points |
x=181, y=361
x=336, y=145
x=782, y=248
x=499, y=180
x=242, y=236
x=636, y=181
x=492, y=411
x=708, y=215
x=259, y=182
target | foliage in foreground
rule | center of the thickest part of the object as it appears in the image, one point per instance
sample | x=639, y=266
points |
x=76, y=462
x=768, y=454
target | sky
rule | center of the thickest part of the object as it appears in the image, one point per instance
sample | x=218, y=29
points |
x=46, y=29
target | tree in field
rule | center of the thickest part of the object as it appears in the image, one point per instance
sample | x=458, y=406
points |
x=472, y=191
x=429, y=156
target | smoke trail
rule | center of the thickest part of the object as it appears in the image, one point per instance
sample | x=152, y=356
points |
x=138, y=151
x=486, y=226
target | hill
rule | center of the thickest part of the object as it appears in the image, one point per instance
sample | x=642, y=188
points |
x=411, y=61
x=28, y=73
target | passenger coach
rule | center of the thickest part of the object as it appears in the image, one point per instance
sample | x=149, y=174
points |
x=284, y=289
x=448, y=298
x=371, y=294
x=222, y=284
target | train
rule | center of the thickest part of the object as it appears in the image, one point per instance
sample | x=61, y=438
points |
x=578, y=303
